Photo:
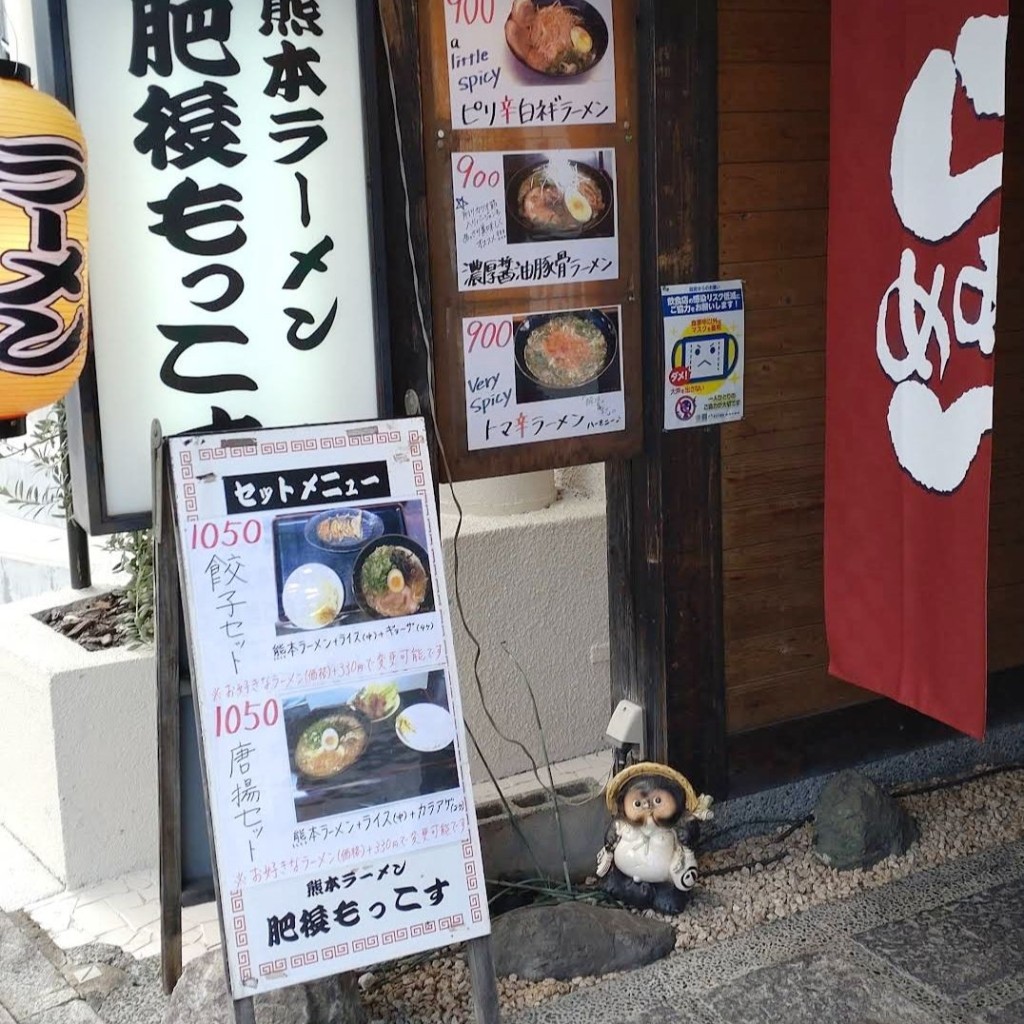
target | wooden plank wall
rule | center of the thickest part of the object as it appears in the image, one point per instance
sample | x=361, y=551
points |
x=773, y=181
x=773, y=199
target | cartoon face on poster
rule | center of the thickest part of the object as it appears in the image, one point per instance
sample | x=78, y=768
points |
x=544, y=218
x=703, y=353
x=328, y=698
x=530, y=63
x=542, y=376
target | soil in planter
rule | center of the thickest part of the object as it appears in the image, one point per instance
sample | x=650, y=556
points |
x=94, y=625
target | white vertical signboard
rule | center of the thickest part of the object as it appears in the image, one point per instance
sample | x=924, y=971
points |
x=329, y=707
x=229, y=232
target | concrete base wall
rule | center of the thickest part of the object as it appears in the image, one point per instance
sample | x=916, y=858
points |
x=78, y=777
x=78, y=783
x=537, y=585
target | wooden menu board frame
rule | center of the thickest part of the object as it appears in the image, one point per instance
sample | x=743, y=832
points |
x=172, y=624
x=450, y=306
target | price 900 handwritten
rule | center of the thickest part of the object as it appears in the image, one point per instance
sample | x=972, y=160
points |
x=489, y=334
x=231, y=534
x=467, y=11
x=474, y=178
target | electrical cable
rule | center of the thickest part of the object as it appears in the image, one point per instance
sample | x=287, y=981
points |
x=547, y=762
x=898, y=793
x=959, y=780
x=430, y=403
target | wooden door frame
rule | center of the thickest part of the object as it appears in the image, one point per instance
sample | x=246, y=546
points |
x=667, y=644
x=665, y=507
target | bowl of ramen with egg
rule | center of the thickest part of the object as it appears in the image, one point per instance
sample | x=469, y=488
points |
x=556, y=199
x=343, y=529
x=391, y=578
x=329, y=742
x=556, y=38
x=562, y=351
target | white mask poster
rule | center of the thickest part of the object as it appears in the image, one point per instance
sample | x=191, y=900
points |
x=704, y=344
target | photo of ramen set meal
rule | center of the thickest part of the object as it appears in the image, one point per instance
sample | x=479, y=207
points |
x=350, y=565
x=380, y=745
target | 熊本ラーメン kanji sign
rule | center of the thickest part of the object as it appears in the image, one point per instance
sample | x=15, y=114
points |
x=918, y=101
x=230, y=223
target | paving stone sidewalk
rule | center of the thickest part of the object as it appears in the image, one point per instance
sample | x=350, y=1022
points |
x=32, y=990
x=940, y=947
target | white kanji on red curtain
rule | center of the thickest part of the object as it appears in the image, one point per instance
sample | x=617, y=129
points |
x=918, y=101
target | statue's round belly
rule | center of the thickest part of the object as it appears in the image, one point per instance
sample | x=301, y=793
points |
x=646, y=861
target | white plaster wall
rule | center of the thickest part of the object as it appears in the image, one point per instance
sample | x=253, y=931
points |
x=108, y=773
x=537, y=582
x=19, y=13
x=78, y=773
x=78, y=778
x=29, y=798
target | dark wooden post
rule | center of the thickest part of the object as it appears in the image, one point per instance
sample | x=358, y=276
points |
x=167, y=602
x=403, y=175
x=664, y=508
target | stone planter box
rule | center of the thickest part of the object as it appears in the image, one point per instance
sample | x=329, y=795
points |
x=78, y=775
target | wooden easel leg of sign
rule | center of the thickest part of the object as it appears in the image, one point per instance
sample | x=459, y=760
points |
x=168, y=680
x=483, y=982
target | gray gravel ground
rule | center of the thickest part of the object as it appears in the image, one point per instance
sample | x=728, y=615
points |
x=975, y=820
x=955, y=823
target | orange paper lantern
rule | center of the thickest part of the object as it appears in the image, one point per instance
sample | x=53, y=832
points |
x=43, y=279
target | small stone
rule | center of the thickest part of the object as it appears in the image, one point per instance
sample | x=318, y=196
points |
x=857, y=823
x=575, y=939
x=95, y=980
x=202, y=995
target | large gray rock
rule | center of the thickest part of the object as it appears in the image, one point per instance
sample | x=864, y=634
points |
x=201, y=997
x=857, y=823
x=573, y=940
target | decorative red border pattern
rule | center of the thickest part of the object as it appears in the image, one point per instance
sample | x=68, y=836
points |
x=241, y=935
x=273, y=967
x=472, y=882
x=188, y=487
